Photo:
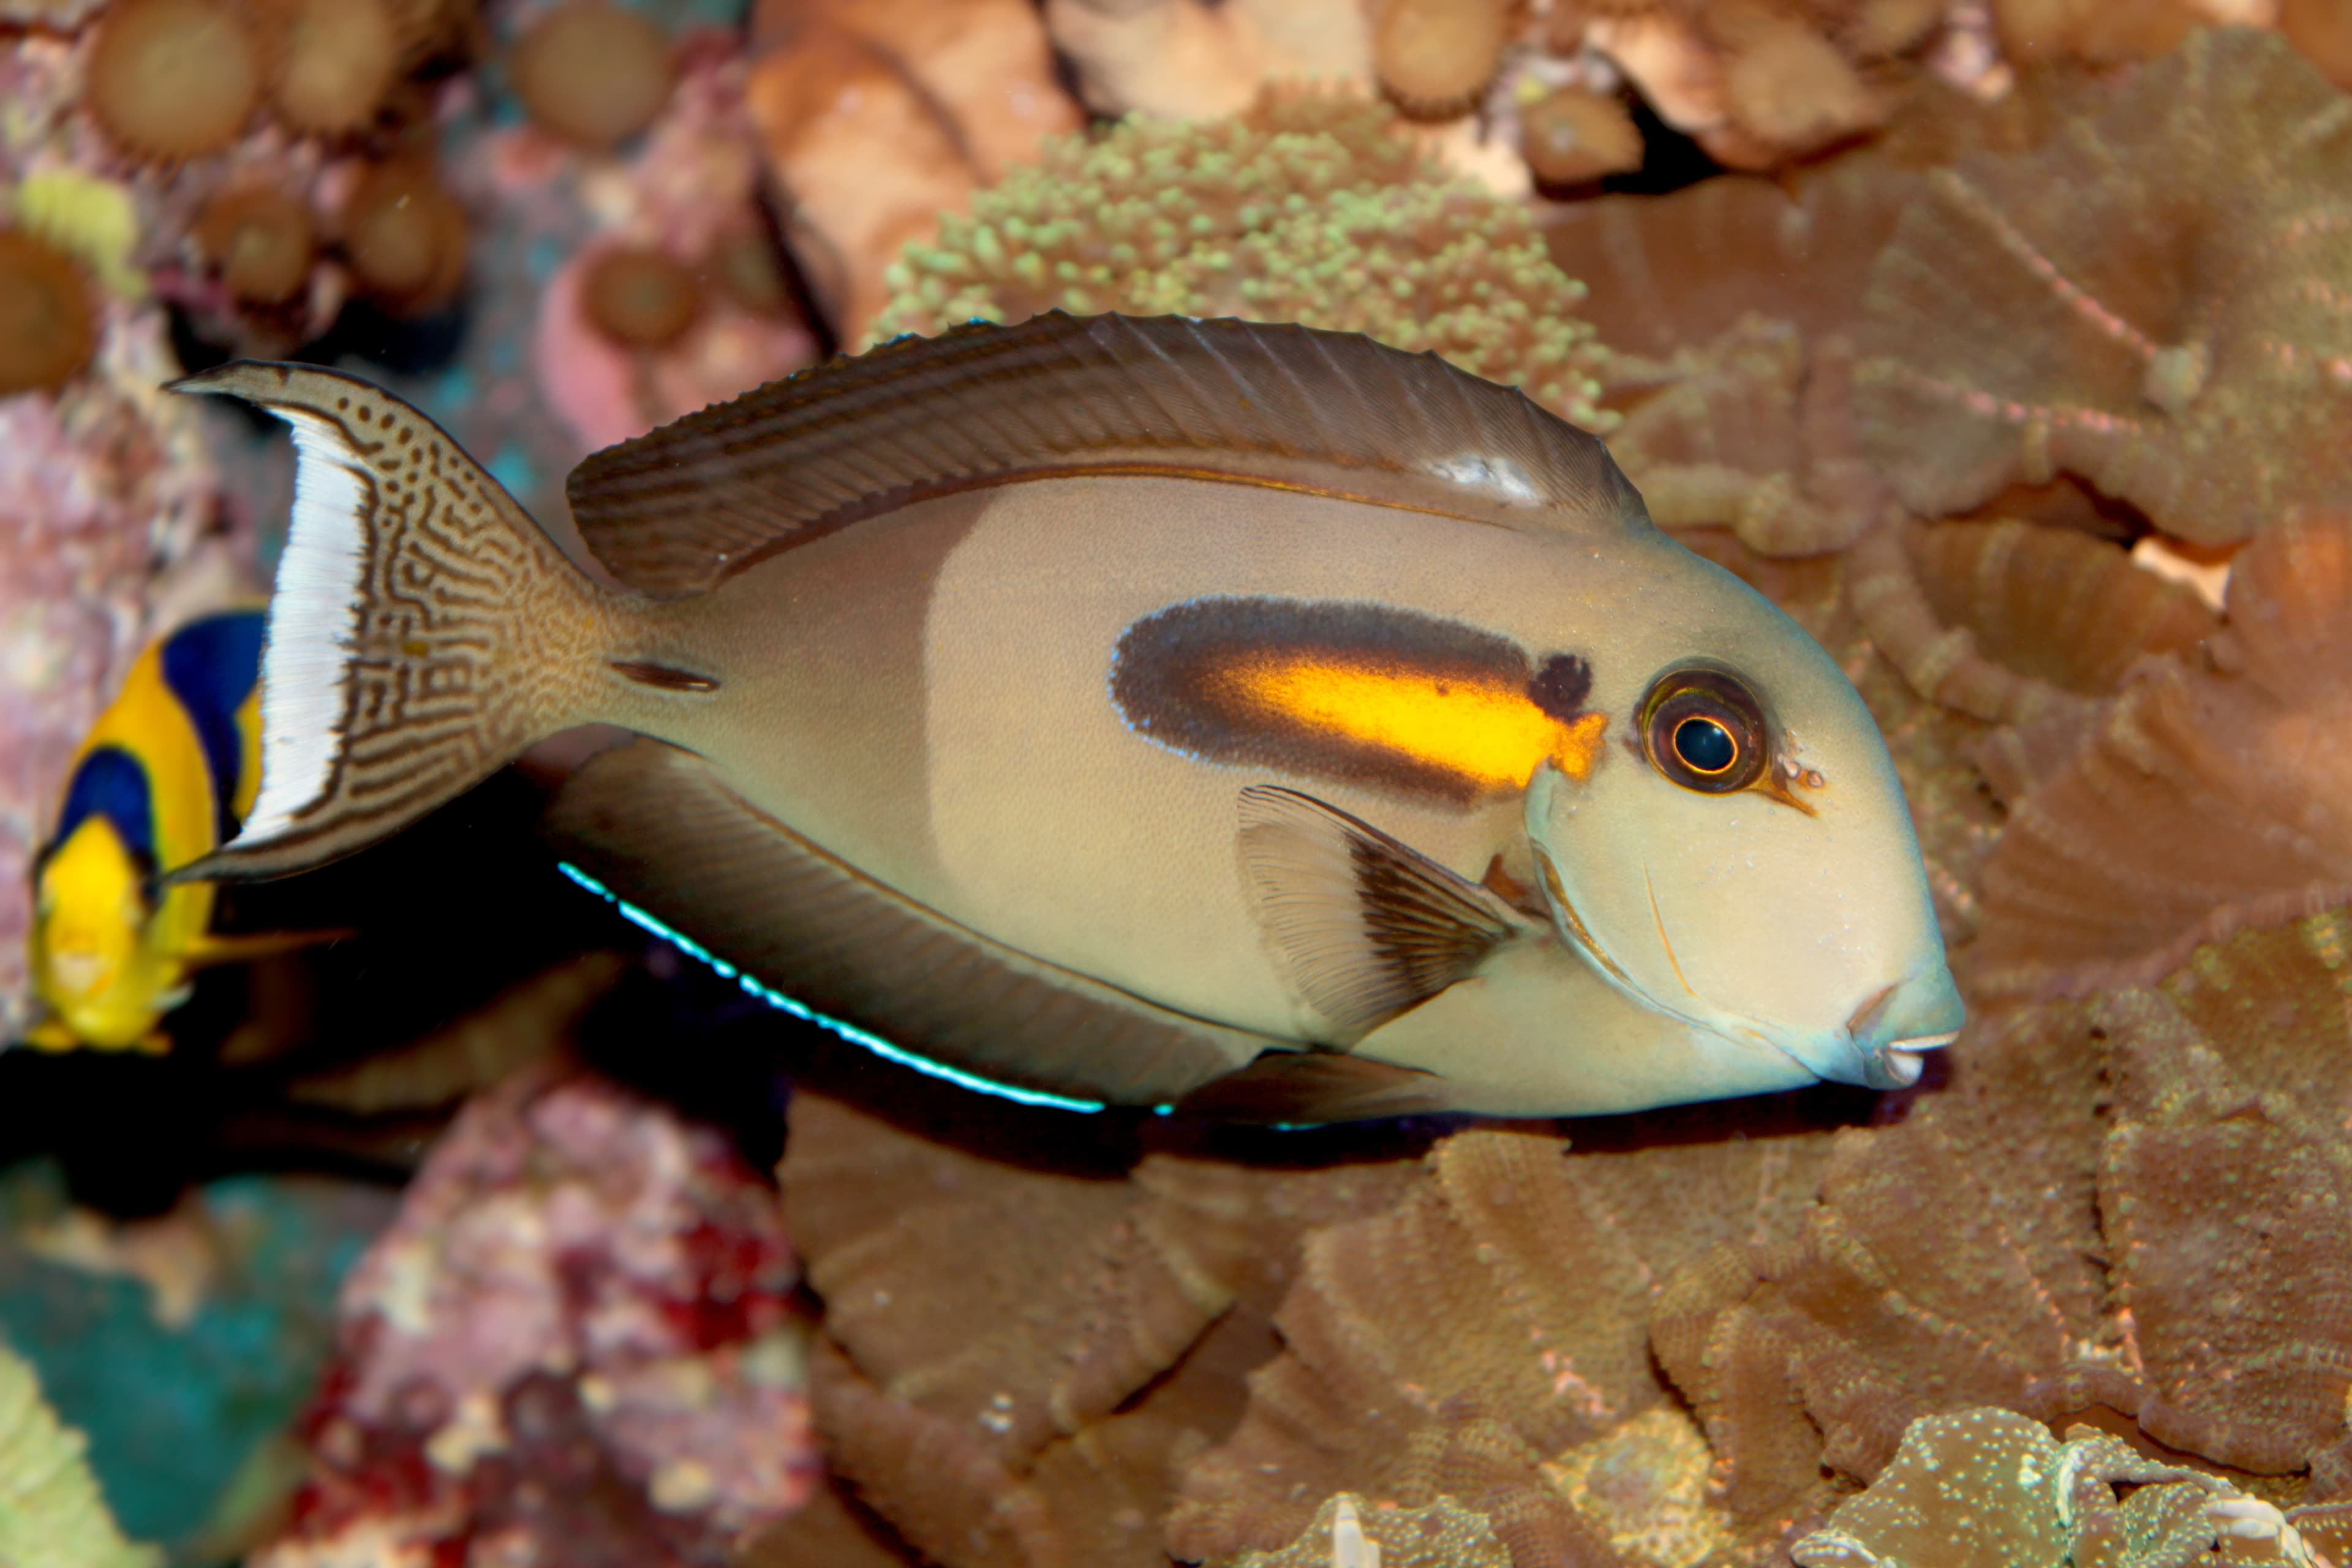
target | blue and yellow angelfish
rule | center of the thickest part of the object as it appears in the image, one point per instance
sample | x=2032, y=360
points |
x=164, y=778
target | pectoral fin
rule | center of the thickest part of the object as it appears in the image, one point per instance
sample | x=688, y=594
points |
x=1362, y=926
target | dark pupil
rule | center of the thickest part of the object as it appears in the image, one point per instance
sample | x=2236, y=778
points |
x=1706, y=745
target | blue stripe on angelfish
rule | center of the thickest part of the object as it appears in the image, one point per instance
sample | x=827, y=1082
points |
x=806, y=1014
x=112, y=783
x=211, y=666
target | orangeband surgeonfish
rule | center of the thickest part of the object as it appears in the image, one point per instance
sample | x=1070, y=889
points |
x=1134, y=711
x=162, y=779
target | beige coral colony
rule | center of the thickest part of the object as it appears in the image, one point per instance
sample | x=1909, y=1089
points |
x=2009, y=348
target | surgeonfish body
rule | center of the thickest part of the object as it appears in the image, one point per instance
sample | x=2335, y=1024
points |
x=162, y=779
x=1136, y=710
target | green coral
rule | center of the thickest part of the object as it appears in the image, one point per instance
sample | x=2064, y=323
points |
x=51, y=1515
x=1991, y=1488
x=1306, y=208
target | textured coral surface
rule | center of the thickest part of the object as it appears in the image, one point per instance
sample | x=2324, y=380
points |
x=1306, y=208
x=2173, y=295
x=51, y=1515
x=2022, y=383
x=574, y=1343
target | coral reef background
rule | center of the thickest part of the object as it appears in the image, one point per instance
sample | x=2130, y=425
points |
x=2007, y=345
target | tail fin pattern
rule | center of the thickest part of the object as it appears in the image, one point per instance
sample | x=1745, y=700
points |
x=423, y=631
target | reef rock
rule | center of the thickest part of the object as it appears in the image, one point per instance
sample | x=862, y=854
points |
x=1194, y=59
x=573, y=1345
x=878, y=116
x=2155, y=301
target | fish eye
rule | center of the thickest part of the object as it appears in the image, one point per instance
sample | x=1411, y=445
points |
x=1704, y=729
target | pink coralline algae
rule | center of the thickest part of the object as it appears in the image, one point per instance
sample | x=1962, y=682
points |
x=687, y=196
x=575, y=1346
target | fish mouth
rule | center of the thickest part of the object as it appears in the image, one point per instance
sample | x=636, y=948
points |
x=1902, y=1062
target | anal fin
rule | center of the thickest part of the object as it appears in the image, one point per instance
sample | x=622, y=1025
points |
x=1310, y=1087
x=659, y=828
x=1363, y=926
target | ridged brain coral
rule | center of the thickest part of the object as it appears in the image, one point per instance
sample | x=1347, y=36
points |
x=2159, y=301
x=1308, y=209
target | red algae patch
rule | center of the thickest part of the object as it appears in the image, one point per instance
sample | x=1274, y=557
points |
x=640, y=298
x=592, y=73
x=46, y=334
x=406, y=237
x=173, y=78
x=261, y=240
x=333, y=61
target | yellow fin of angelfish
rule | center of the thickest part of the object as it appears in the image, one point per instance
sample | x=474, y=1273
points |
x=49, y=1035
x=1363, y=927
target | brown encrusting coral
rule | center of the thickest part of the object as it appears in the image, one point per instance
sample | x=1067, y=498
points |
x=591, y=72
x=640, y=297
x=1434, y=57
x=1498, y=1318
x=173, y=78
x=1570, y=135
x=47, y=330
x=2014, y=623
x=2206, y=796
x=262, y=239
x=405, y=235
x=2159, y=303
x=2042, y=1235
x=1030, y=1330
x=331, y=61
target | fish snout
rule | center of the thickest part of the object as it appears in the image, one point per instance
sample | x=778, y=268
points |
x=1893, y=1031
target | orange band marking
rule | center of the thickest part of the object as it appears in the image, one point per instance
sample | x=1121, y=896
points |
x=1484, y=730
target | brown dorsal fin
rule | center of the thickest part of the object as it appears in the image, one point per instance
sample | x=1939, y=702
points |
x=674, y=511
x=657, y=826
x=1362, y=926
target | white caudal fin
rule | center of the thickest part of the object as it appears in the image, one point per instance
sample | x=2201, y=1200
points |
x=423, y=630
